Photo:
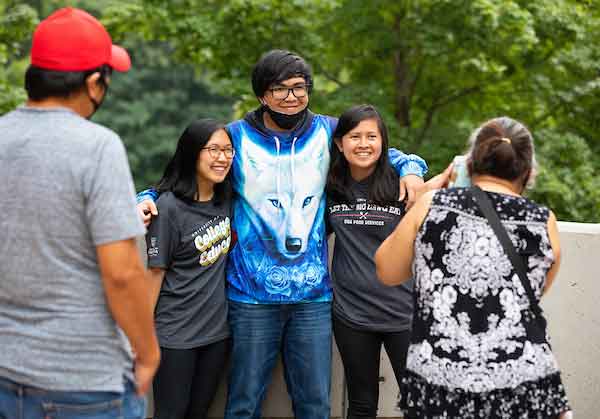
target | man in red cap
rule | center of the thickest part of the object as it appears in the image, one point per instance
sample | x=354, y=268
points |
x=73, y=299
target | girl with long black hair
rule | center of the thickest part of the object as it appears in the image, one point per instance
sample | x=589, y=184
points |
x=187, y=246
x=363, y=209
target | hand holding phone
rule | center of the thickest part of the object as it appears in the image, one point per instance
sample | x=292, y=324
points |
x=459, y=178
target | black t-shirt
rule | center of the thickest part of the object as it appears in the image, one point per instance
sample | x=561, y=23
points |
x=360, y=299
x=190, y=240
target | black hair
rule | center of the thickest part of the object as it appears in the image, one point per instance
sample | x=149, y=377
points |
x=502, y=147
x=383, y=182
x=276, y=66
x=41, y=83
x=180, y=174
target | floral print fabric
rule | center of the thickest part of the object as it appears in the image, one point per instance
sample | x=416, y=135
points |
x=477, y=351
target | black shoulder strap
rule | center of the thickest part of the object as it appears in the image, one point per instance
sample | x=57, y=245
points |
x=488, y=211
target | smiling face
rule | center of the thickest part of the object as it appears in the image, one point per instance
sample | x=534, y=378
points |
x=361, y=146
x=211, y=169
x=291, y=104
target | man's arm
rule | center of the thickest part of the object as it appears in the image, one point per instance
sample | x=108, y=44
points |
x=407, y=164
x=124, y=280
x=411, y=169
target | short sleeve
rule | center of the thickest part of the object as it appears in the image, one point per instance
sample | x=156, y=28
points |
x=163, y=236
x=328, y=226
x=110, y=195
x=147, y=194
x=407, y=164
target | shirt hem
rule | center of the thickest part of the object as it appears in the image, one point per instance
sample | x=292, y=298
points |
x=41, y=385
x=341, y=316
x=126, y=235
x=204, y=342
x=249, y=300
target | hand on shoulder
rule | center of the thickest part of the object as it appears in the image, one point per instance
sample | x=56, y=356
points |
x=146, y=210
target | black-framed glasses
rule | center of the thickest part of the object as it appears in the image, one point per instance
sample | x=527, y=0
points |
x=282, y=92
x=215, y=151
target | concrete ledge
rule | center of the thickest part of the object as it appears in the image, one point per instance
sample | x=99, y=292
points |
x=578, y=228
x=573, y=310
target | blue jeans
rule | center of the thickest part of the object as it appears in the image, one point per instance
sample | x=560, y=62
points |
x=23, y=402
x=302, y=332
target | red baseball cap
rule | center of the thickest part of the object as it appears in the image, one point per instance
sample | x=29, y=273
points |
x=73, y=40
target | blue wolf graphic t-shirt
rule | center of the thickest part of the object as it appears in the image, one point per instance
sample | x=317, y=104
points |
x=279, y=206
x=190, y=241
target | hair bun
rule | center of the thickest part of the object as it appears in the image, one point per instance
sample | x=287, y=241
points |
x=502, y=147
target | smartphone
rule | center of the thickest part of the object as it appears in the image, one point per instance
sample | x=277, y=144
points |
x=459, y=178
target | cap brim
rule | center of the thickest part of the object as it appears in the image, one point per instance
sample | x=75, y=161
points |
x=119, y=59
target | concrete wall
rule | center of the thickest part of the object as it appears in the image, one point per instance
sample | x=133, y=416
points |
x=573, y=311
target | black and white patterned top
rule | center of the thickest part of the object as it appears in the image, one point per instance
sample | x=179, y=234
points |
x=476, y=350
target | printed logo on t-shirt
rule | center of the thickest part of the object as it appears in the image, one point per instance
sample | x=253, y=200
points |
x=213, y=239
x=365, y=213
x=153, y=249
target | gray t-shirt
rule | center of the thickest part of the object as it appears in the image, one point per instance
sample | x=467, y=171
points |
x=65, y=188
x=190, y=240
x=359, y=298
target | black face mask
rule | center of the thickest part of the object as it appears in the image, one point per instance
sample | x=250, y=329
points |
x=97, y=104
x=284, y=120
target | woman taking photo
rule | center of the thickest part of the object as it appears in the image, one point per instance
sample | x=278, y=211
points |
x=187, y=245
x=363, y=209
x=478, y=347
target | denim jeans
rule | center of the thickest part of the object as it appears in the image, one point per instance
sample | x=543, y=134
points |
x=23, y=402
x=302, y=332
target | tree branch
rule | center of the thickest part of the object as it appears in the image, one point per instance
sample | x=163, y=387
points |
x=558, y=106
x=331, y=77
x=402, y=81
x=320, y=69
x=416, y=78
x=440, y=103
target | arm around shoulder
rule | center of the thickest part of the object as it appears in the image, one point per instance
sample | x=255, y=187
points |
x=146, y=205
x=407, y=164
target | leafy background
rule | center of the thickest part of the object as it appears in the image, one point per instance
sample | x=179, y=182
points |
x=435, y=68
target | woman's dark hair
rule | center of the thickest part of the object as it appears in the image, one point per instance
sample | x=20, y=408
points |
x=42, y=84
x=276, y=66
x=383, y=182
x=180, y=174
x=502, y=147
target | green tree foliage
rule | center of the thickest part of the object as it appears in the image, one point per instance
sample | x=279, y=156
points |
x=151, y=105
x=435, y=68
x=565, y=160
x=16, y=23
